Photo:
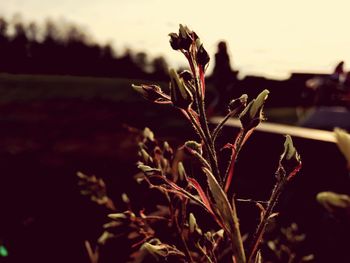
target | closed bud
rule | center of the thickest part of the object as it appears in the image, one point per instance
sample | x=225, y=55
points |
x=252, y=115
x=238, y=105
x=149, y=171
x=181, y=96
x=174, y=41
x=105, y=237
x=192, y=223
x=343, y=143
x=202, y=57
x=334, y=202
x=117, y=216
x=188, y=80
x=181, y=171
x=185, y=37
x=152, y=93
x=167, y=151
x=125, y=198
x=148, y=134
x=193, y=147
x=186, y=75
x=145, y=156
x=290, y=162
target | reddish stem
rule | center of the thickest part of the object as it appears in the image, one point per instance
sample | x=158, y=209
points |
x=235, y=149
x=202, y=80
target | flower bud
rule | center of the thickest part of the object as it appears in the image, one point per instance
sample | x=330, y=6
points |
x=188, y=80
x=252, y=115
x=181, y=96
x=152, y=93
x=185, y=37
x=167, y=151
x=148, y=134
x=333, y=201
x=149, y=171
x=193, y=147
x=202, y=57
x=343, y=143
x=117, y=216
x=238, y=104
x=186, y=75
x=183, y=40
x=125, y=198
x=181, y=171
x=192, y=223
x=290, y=162
x=174, y=41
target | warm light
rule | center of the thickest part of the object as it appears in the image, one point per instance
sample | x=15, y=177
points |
x=270, y=37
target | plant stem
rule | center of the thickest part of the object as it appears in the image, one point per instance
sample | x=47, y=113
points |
x=211, y=152
x=204, y=253
x=198, y=75
x=229, y=171
x=263, y=223
x=220, y=125
x=204, y=123
x=237, y=243
x=187, y=251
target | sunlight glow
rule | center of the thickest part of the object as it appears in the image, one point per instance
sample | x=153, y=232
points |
x=271, y=38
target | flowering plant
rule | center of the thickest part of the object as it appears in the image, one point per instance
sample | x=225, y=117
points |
x=198, y=219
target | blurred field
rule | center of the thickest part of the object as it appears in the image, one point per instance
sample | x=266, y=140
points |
x=27, y=88
x=50, y=128
x=53, y=126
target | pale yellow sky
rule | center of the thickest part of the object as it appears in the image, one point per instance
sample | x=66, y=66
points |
x=267, y=37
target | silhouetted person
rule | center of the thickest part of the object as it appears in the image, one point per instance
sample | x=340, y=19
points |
x=223, y=77
x=347, y=80
x=330, y=91
x=338, y=71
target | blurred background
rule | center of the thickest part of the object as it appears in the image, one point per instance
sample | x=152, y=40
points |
x=66, y=105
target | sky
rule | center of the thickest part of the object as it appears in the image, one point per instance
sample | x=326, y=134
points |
x=271, y=38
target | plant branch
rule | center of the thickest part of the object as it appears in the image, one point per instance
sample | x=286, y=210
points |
x=187, y=251
x=204, y=123
x=219, y=127
x=230, y=168
x=263, y=223
x=210, y=150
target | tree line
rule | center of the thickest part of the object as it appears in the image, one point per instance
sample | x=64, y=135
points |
x=66, y=49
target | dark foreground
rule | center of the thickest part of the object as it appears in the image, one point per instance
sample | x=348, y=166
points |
x=52, y=127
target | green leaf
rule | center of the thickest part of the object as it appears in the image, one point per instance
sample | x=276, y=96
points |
x=333, y=201
x=228, y=217
x=252, y=115
x=149, y=171
x=3, y=251
x=152, y=93
x=181, y=95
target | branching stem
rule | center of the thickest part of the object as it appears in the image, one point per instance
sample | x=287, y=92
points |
x=263, y=223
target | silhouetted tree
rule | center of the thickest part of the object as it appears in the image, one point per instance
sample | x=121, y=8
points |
x=141, y=61
x=4, y=45
x=63, y=48
x=160, y=68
